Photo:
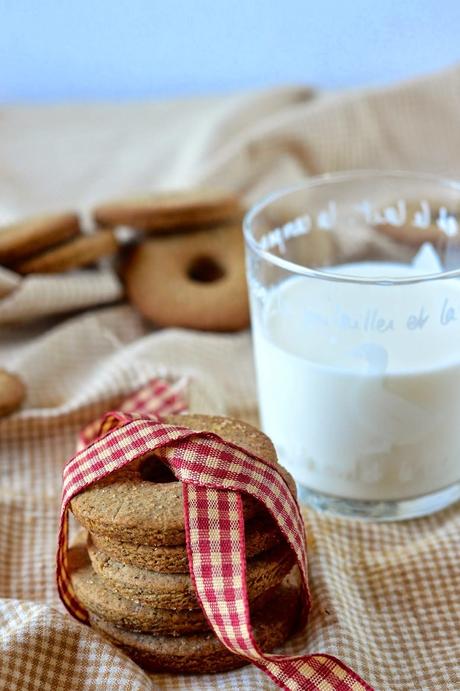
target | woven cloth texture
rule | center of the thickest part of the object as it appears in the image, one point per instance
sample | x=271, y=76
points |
x=386, y=598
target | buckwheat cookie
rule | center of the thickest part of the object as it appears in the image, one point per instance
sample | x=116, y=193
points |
x=175, y=591
x=74, y=254
x=142, y=503
x=12, y=392
x=203, y=653
x=31, y=235
x=92, y=592
x=261, y=533
x=165, y=211
x=195, y=281
x=95, y=594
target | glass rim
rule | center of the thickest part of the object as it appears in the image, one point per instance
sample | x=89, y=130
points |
x=320, y=180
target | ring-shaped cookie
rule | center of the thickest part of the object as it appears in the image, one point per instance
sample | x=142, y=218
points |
x=143, y=503
x=195, y=281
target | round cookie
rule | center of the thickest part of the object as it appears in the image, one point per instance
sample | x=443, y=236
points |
x=165, y=211
x=94, y=594
x=261, y=534
x=203, y=653
x=12, y=392
x=195, y=281
x=175, y=591
x=138, y=504
x=31, y=235
x=74, y=254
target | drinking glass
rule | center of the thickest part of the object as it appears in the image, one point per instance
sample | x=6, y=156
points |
x=354, y=282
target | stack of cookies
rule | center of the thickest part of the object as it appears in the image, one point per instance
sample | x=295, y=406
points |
x=129, y=568
x=52, y=243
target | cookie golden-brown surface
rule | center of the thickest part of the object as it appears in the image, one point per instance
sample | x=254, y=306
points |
x=195, y=281
x=74, y=254
x=165, y=211
x=31, y=235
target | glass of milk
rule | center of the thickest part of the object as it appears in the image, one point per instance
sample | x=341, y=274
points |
x=354, y=281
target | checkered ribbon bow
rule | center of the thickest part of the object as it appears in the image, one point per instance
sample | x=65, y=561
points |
x=214, y=473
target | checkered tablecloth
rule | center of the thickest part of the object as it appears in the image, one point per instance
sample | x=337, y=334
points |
x=386, y=598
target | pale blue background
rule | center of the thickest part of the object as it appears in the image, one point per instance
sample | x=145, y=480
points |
x=54, y=50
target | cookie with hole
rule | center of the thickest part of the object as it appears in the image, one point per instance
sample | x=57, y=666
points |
x=195, y=281
x=142, y=503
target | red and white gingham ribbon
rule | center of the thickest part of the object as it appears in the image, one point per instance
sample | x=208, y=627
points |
x=214, y=472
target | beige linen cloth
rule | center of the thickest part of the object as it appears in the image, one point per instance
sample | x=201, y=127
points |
x=386, y=598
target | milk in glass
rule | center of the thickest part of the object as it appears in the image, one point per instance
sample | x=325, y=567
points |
x=359, y=384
